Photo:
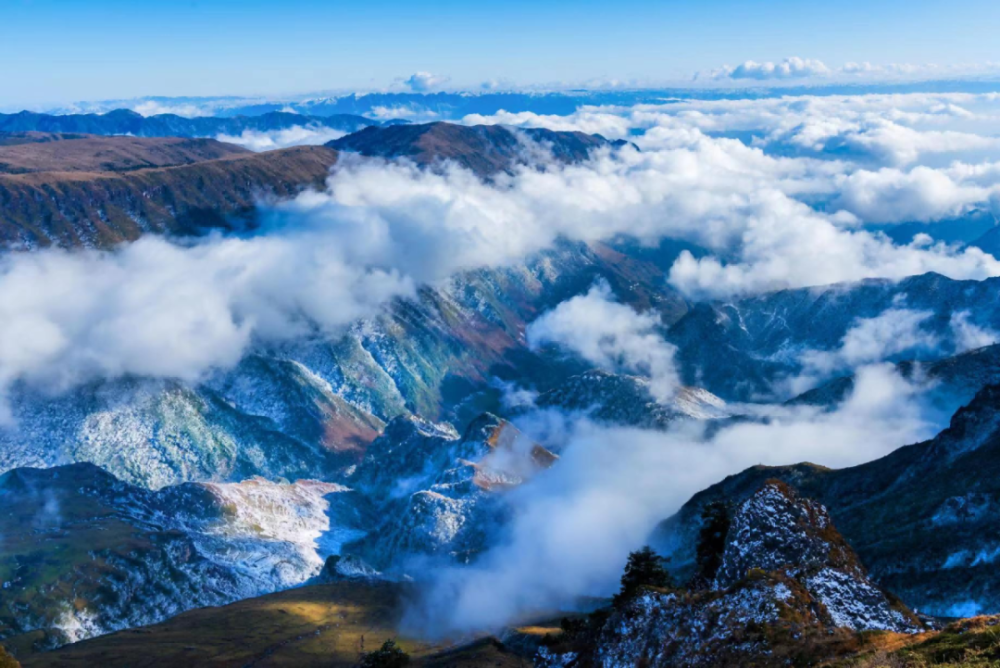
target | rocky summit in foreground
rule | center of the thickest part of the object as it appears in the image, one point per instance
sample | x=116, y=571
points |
x=788, y=591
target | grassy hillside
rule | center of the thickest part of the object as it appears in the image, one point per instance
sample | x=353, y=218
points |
x=319, y=625
x=100, y=209
x=41, y=152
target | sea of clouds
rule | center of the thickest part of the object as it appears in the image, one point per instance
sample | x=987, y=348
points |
x=779, y=193
x=789, y=206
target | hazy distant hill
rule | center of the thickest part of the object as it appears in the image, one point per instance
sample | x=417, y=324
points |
x=126, y=122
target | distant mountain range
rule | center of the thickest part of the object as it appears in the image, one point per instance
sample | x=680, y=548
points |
x=126, y=122
x=454, y=105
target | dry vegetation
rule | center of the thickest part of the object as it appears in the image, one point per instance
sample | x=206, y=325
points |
x=91, y=153
x=100, y=209
x=320, y=625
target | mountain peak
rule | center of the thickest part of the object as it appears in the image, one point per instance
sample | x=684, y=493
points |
x=484, y=149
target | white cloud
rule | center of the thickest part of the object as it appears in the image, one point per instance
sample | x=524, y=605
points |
x=156, y=309
x=386, y=227
x=298, y=135
x=611, y=335
x=796, y=68
x=789, y=68
x=868, y=341
x=425, y=82
x=967, y=335
x=894, y=196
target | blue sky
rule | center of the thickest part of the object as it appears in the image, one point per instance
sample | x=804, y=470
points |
x=63, y=50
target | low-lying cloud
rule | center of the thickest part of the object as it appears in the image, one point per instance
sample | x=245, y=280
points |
x=268, y=140
x=576, y=523
x=611, y=336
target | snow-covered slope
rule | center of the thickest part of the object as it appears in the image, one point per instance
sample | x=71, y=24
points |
x=439, y=495
x=310, y=408
x=626, y=400
x=84, y=553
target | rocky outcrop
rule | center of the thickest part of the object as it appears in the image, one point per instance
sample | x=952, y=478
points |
x=789, y=591
x=776, y=531
x=437, y=495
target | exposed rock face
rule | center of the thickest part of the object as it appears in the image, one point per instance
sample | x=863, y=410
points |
x=85, y=554
x=438, y=495
x=625, y=400
x=775, y=530
x=923, y=519
x=788, y=584
x=484, y=149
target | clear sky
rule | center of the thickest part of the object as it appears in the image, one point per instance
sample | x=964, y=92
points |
x=54, y=51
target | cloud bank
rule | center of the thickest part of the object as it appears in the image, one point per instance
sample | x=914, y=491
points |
x=796, y=68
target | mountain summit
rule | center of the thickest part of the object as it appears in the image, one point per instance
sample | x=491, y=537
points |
x=485, y=149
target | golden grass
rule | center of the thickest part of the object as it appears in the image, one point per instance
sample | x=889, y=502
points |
x=320, y=625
